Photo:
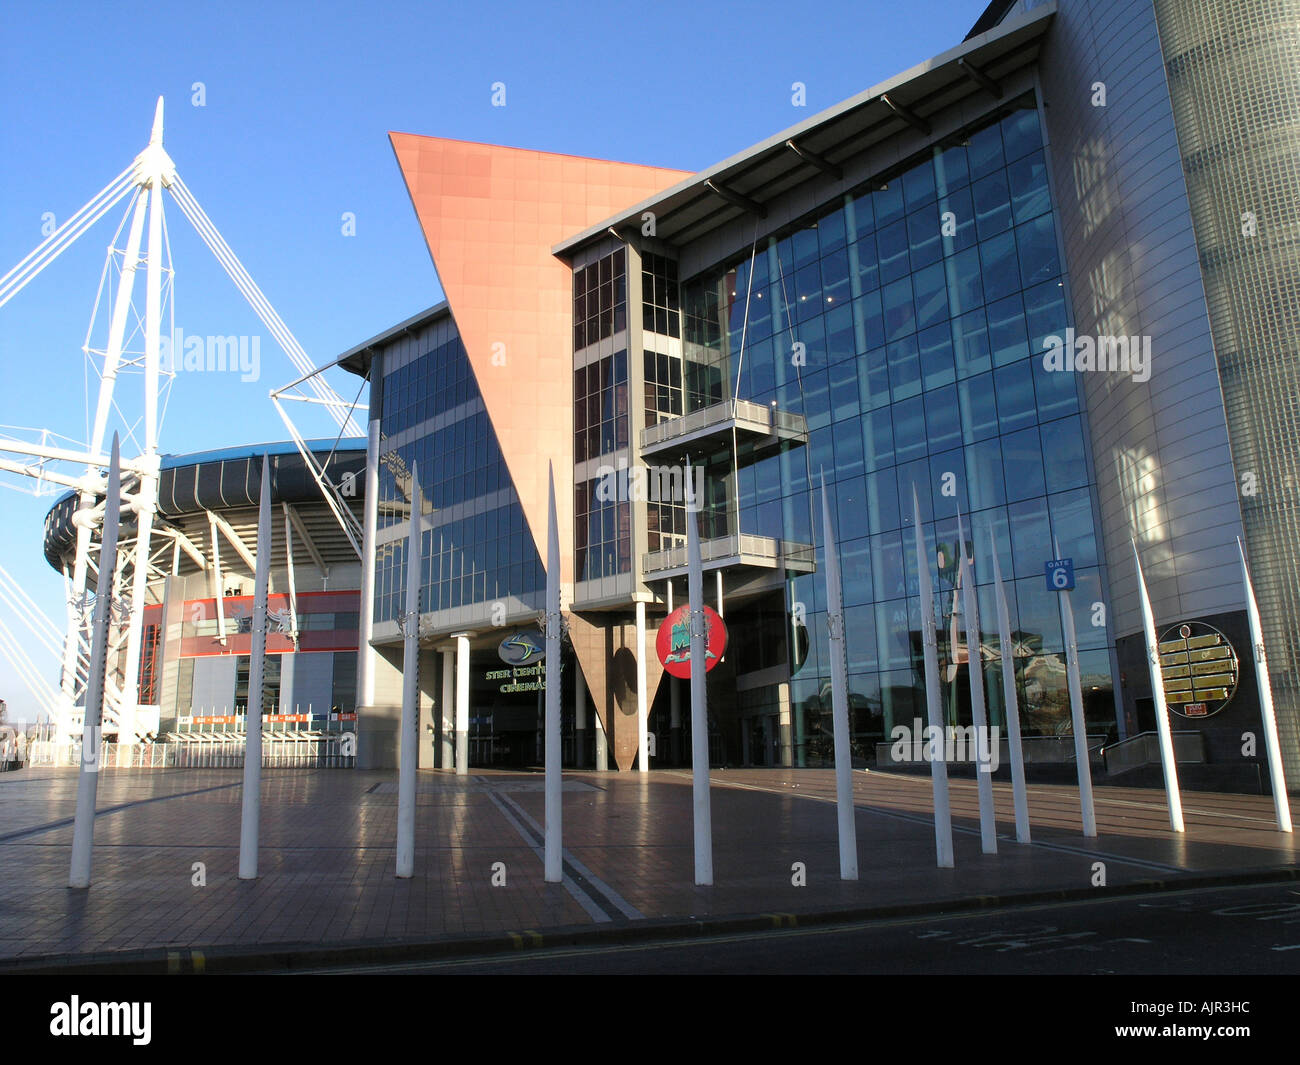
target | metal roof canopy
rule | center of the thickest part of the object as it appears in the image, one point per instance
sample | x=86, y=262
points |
x=739, y=186
x=357, y=359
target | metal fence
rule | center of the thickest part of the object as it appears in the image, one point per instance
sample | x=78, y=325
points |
x=208, y=751
x=1144, y=749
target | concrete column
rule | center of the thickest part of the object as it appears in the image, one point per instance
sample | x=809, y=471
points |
x=745, y=724
x=784, y=715
x=462, y=703
x=446, y=709
x=428, y=725
x=642, y=711
x=602, y=747
x=675, y=719
x=579, y=716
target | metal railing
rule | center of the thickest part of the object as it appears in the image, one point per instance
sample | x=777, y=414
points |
x=751, y=550
x=207, y=751
x=754, y=417
x=1144, y=749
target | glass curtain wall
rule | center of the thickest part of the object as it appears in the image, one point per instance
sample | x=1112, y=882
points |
x=906, y=322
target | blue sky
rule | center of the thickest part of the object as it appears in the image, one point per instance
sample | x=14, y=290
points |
x=298, y=101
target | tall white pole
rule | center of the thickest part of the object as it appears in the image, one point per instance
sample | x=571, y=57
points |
x=252, y=796
x=1079, y=725
x=1011, y=703
x=1281, y=805
x=703, y=816
x=933, y=700
x=108, y=378
x=83, y=830
x=366, y=654
x=554, y=776
x=979, y=713
x=1167, y=760
x=157, y=169
x=642, y=710
x=408, y=760
x=848, y=832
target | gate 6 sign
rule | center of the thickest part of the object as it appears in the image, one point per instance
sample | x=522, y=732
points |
x=1060, y=574
x=1199, y=667
x=673, y=644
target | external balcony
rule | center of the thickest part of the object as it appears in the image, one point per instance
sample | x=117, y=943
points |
x=704, y=431
x=726, y=552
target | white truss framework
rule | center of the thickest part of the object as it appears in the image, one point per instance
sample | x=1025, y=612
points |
x=142, y=184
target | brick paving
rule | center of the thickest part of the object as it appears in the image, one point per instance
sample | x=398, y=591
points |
x=327, y=853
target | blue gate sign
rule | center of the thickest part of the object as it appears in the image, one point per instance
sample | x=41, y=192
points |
x=1060, y=574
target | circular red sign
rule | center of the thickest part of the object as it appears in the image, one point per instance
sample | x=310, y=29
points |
x=673, y=644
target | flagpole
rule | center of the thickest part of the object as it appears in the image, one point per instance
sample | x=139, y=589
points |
x=1083, y=766
x=1281, y=805
x=83, y=828
x=251, y=798
x=1168, y=762
x=839, y=701
x=554, y=851
x=933, y=700
x=699, y=711
x=410, y=688
x=979, y=713
x=1011, y=703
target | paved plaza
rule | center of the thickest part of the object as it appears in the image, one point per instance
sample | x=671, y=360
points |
x=328, y=855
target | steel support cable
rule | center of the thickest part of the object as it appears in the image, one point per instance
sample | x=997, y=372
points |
x=243, y=281
x=41, y=626
x=248, y=287
x=344, y=516
x=122, y=180
x=26, y=668
x=63, y=237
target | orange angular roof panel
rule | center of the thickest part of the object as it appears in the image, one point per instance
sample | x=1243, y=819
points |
x=490, y=216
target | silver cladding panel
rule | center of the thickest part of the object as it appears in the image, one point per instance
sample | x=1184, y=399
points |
x=1234, y=76
x=1164, y=467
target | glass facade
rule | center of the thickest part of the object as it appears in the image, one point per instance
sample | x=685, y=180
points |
x=477, y=547
x=600, y=300
x=904, y=323
x=602, y=520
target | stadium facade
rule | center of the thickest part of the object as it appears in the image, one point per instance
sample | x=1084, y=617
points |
x=195, y=651
x=1045, y=283
x=1047, y=280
